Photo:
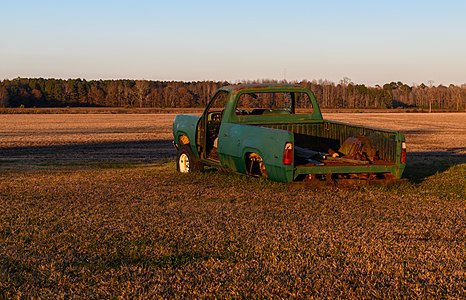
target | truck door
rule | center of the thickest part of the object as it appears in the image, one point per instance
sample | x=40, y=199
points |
x=209, y=126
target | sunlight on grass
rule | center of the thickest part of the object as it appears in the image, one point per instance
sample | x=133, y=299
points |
x=148, y=231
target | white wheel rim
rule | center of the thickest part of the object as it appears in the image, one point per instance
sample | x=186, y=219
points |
x=184, y=163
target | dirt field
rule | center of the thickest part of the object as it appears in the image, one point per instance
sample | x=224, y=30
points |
x=38, y=139
x=91, y=207
x=146, y=137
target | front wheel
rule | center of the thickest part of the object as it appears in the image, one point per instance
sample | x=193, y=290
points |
x=186, y=162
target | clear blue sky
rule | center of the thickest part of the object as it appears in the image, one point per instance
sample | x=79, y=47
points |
x=371, y=42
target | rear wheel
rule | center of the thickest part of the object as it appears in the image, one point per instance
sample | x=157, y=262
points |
x=186, y=162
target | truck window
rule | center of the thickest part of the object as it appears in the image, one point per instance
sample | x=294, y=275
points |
x=219, y=101
x=216, y=106
x=273, y=103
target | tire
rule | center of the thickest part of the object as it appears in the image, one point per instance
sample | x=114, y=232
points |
x=186, y=162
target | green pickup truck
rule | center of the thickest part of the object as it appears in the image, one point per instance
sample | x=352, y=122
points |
x=277, y=131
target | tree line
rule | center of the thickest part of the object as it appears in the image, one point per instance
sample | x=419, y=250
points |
x=40, y=92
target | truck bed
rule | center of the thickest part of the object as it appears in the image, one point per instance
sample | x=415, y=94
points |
x=319, y=135
x=324, y=135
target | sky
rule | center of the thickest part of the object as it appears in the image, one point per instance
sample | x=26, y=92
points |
x=370, y=42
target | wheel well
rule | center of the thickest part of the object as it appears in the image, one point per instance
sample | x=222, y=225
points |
x=184, y=140
x=254, y=164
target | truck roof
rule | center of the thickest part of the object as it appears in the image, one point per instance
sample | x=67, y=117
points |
x=260, y=86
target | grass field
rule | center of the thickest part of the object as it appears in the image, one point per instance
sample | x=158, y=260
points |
x=91, y=207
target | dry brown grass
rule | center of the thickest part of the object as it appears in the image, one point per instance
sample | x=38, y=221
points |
x=148, y=231
x=109, y=226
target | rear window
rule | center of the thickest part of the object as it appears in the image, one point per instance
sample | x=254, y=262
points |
x=274, y=103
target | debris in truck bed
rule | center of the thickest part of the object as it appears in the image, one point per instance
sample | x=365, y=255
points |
x=308, y=153
x=310, y=156
x=314, y=162
x=348, y=160
x=359, y=148
x=355, y=150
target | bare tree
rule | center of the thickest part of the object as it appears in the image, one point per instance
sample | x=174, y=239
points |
x=143, y=89
x=3, y=97
x=431, y=94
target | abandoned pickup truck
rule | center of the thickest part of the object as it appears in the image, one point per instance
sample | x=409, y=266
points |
x=277, y=131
